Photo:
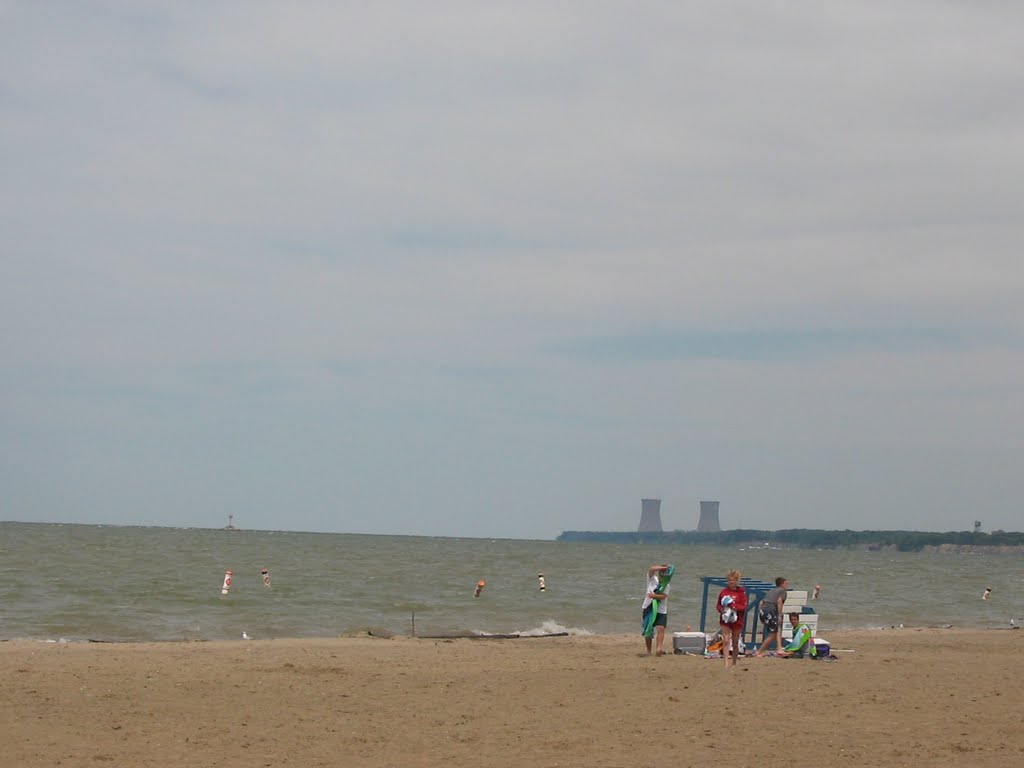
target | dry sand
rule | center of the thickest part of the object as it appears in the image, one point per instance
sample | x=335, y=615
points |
x=901, y=697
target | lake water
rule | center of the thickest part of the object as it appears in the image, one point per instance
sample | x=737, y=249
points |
x=81, y=582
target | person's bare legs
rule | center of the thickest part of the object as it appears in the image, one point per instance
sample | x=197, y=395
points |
x=660, y=641
x=647, y=642
x=727, y=642
x=774, y=638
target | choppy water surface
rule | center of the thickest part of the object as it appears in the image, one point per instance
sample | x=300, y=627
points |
x=79, y=582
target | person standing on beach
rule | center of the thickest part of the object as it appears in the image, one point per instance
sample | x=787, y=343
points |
x=770, y=616
x=732, y=609
x=656, y=590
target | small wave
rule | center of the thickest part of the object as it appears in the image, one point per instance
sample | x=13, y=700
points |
x=552, y=627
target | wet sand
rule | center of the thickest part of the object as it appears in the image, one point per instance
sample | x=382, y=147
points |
x=936, y=697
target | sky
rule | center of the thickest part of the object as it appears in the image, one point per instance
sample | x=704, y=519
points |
x=503, y=269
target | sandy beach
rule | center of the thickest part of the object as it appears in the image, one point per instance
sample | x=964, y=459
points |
x=940, y=697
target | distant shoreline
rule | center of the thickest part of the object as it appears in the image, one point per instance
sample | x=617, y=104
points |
x=951, y=542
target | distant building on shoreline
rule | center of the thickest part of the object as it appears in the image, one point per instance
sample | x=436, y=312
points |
x=709, y=517
x=650, y=516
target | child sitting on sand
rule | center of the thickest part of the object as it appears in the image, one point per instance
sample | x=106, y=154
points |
x=801, y=642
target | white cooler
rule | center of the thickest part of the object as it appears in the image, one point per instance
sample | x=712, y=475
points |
x=689, y=642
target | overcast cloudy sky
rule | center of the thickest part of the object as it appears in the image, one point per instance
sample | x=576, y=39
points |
x=505, y=268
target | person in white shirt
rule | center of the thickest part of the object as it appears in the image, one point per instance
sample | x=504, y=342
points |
x=656, y=595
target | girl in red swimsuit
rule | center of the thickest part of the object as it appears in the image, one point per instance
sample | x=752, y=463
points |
x=734, y=609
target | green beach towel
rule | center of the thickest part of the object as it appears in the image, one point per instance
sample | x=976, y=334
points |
x=651, y=612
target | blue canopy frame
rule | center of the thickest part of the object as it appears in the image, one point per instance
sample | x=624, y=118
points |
x=755, y=589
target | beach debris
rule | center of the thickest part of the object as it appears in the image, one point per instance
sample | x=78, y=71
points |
x=266, y=577
x=987, y=594
x=540, y=582
x=226, y=586
x=479, y=588
x=496, y=636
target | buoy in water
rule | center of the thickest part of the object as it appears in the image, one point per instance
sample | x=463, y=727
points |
x=226, y=586
x=540, y=582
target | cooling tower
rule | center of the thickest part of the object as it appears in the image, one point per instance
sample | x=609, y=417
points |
x=708, y=516
x=650, y=515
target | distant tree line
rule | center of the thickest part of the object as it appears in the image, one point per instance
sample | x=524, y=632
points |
x=807, y=538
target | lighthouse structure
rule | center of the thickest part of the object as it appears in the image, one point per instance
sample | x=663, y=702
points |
x=650, y=516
